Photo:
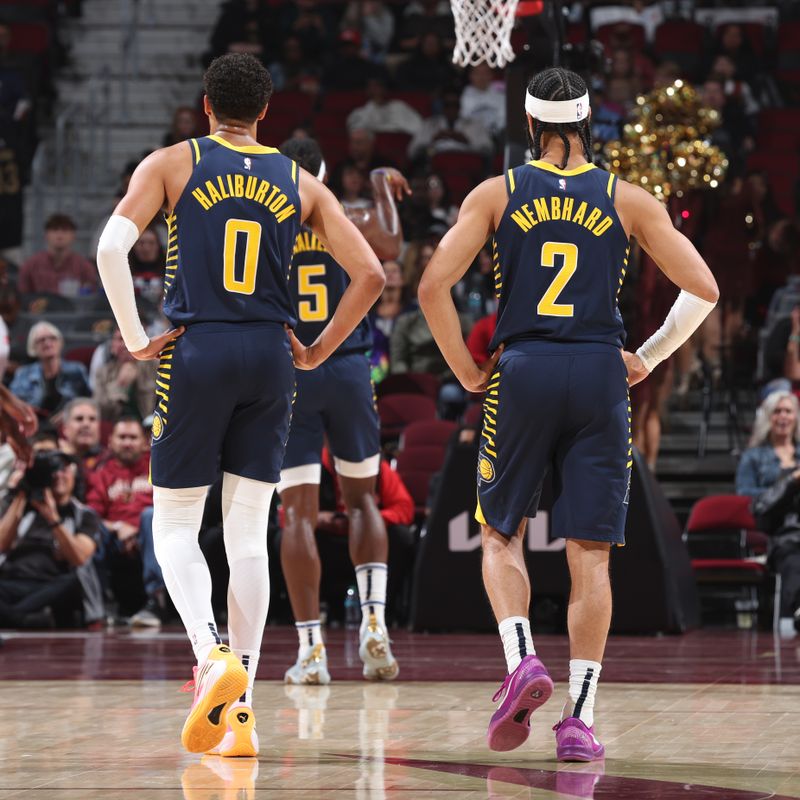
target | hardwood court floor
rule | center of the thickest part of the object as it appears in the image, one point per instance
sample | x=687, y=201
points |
x=113, y=739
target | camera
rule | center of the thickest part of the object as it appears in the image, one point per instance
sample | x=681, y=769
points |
x=41, y=474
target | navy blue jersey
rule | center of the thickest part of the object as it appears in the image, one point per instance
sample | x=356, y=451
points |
x=317, y=284
x=231, y=236
x=560, y=256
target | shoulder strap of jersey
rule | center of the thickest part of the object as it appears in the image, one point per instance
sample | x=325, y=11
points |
x=511, y=183
x=611, y=186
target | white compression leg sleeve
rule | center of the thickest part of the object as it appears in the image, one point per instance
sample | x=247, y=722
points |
x=177, y=514
x=245, y=514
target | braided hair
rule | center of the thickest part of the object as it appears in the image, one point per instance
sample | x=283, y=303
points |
x=557, y=83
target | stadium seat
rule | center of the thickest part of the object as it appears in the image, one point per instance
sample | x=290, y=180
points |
x=430, y=433
x=419, y=101
x=634, y=34
x=30, y=37
x=343, y=102
x=781, y=176
x=409, y=383
x=461, y=172
x=680, y=41
x=394, y=146
x=728, y=558
x=81, y=354
x=396, y=411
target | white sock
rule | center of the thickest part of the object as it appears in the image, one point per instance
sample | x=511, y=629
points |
x=309, y=635
x=517, y=640
x=177, y=514
x=249, y=659
x=371, y=579
x=583, y=677
x=245, y=513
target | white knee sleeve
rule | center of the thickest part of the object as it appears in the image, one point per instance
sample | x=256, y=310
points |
x=245, y=513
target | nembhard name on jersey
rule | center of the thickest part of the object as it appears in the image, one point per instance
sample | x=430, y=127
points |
x=248, y=186
x=561, y=208
x=307, y=242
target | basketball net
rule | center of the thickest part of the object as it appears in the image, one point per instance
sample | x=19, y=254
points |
x=483, y=32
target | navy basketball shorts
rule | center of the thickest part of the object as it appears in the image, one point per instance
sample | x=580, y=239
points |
x=337, y=400
x=224, y=401
x=562, y=407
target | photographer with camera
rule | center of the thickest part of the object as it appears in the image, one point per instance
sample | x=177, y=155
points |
x=47, y=540
x=769, y=472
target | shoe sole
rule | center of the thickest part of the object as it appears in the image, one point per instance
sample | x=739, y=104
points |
x=374, y=654
x=243, y=736
x=319, y=678
x=513, y=728
x=568, y=754
x=205, y=726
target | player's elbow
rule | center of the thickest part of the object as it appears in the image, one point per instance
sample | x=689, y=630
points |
x=426, y=291
x=375, y=278
x=710, y=290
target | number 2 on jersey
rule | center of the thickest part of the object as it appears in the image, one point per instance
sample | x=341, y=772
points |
x=252, y=239
x=316, y=309
x=548, y=306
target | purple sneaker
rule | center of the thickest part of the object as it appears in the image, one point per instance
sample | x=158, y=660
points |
x=576, y=742
x=523, y=691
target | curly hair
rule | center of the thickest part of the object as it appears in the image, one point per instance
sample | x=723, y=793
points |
x=238, y=87
x=558, y=84
x=305, y=152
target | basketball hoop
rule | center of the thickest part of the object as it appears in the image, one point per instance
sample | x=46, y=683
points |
x=483, y=32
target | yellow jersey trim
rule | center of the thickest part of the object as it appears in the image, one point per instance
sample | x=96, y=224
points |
x=511, y=183
x=255, y=149
x=294, y=172
x=196, y=148
x=610, y=184
x=553, y=168
x=479, y=514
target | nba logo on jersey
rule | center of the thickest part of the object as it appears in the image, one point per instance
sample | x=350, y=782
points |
x=562, y=184
x=248, y=163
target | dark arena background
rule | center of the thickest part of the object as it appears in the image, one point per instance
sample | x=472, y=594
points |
x=697, y=102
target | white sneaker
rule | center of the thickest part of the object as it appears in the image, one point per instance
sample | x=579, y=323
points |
x=376, y=653
x=311, y=670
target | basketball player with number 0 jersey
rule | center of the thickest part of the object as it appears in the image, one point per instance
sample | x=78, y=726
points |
x=226, y=373
x=557, y=383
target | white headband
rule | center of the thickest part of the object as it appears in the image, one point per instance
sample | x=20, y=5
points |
x=322, y=168
x=557, y=110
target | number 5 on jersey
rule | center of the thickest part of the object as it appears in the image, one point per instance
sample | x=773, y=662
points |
x=547, y=306
x=314, y=309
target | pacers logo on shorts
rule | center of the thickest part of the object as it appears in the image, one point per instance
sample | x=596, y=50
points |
x=158, y=427
x=486, y=469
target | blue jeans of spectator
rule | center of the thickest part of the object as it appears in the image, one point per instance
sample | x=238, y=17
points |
x=151, y=571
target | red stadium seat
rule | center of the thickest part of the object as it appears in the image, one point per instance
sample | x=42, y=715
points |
x=723, y=542
x=634, y=34
x=409, y=383
x=29, y=37
x=781, y=176
x=461, y=172
x=419, y=101
x=680, y=41
x=396, y=411
x=81, y=354
x=394, y=146
x=431, y=433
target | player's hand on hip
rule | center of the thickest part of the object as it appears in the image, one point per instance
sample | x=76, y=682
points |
x=478, y=381
x=637, y=371
x=304, y=357
x=157, y=344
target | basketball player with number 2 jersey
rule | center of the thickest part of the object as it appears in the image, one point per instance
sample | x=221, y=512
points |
x=226, y=373
x=557, y=383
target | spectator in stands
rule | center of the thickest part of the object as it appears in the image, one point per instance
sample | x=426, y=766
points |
x=394, y=301
x=429, y=67
x=50, y=382
x=769, y=473
x=375, y=22
x=484, y=99
x=15, y=99
x=80, y=432
x=348, y=69
x=439, y=204
x=423, y=16
x=120, y=492
x=479, y=338
x=607, y=115
x=665, y=74
x=732, y=42
x=733, y=87
x=183, y=127
x=415, y=259
x=147, y=260
x=622, y=65
x=294, y=72
x=312, y=22
x=125, y=387
x=58, y=269
x=360, y=154
x=47, y=538
x=735, y=135
x=354, y=189
x=244, y=26
x=380, y=114
x=450, y=131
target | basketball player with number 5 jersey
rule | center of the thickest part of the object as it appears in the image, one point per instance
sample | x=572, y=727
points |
x=226, y=372
x=557, y=383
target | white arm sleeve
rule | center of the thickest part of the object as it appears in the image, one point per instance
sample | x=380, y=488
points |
x=119, y=235
x=683, y=320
